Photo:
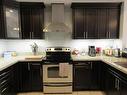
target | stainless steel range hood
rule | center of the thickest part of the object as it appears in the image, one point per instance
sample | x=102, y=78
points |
x=57, y=24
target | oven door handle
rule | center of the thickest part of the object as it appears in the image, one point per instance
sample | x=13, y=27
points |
x=57, y=85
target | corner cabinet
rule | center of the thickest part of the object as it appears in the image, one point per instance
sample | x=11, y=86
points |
x=115, y=82
x=96, y=20
x=9, y=19
x=32, y=20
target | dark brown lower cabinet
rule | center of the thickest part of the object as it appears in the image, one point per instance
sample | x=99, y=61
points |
x=29, y=77
x=116, y=82
x=123, y=87
x=111, y=83
x=7, y=86
x=36, y=76
x=86, y=76
x=82, y=76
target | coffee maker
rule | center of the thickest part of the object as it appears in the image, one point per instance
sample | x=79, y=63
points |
x=92, y=51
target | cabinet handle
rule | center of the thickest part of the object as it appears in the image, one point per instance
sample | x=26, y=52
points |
x=36, y=64
x=29, y=66
x=116, y=83
x=3, y=90
x=5, y=73
x=91, y=65
x=32, y=35
x=3, y=82
x=109, y=34
x=118, y=87
x=86, y=34
x=41, y=72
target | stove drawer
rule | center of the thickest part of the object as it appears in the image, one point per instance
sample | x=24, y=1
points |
x=57, y=88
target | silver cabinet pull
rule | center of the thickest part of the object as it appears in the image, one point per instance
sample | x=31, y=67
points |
x=91, y=65
x=118, y=86
x=86, y=34
x=29, y=66
x=116, y=83
x=32, y=34
x=109, y=35
x=4, y=90
x=3, y=74
x=3, y=82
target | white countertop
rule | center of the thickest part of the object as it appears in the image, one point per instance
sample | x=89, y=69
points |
x=106, y=59
x=5, y=63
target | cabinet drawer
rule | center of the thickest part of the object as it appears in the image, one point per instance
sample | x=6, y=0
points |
x=4, y=73
x=4, y=91
x=5, y=82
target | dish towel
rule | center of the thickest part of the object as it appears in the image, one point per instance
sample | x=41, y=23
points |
x=63, y=69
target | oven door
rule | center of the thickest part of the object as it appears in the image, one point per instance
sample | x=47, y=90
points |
x=51, y=74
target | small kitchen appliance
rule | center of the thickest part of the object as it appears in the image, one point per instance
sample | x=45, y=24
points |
x=116, y=52
x=92, y=51
x=124, y=53
x=98, y=50
x=57, y=71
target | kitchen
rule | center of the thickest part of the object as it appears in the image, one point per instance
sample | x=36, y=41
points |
x=33, y=46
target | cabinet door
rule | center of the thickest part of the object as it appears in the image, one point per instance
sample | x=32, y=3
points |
x=91, y=23
x=112, y=83
x=25, y=22
x=37, y=23
x=32, y=20
x=113, y=24
x=95, y=75
x=123, y=87
x=82, y=76
x=102, y=22
x=78, y=23
x=23, y=77
x=12, y=19
x=2, y=28
x=36, y=76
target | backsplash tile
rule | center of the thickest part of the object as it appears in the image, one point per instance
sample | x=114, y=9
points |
x=24, y=45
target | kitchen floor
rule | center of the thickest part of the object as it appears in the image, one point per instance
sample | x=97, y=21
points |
x=74, y=93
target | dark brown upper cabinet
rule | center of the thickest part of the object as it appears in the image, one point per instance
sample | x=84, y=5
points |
x=9, y=19
x=96, y=20
x=32, y=20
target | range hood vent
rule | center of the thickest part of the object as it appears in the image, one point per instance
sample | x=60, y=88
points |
x=58, y=19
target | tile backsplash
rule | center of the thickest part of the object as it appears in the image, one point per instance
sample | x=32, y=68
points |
x=2, y=46
x=24, y=45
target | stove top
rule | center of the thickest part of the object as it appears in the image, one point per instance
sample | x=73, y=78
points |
x=59, y=54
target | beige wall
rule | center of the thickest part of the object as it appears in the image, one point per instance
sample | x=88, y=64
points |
x=124, y=26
